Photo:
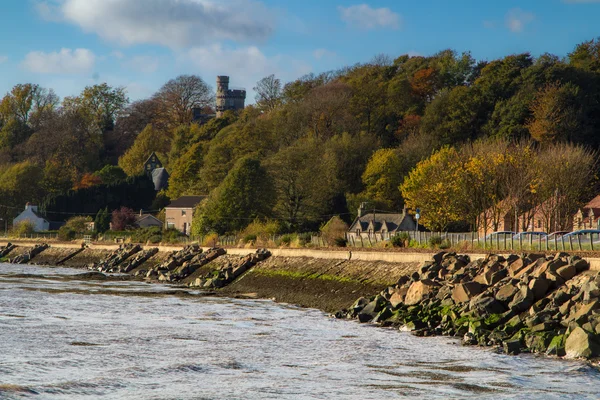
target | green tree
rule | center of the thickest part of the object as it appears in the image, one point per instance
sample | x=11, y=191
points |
x=111, y=174
x=101, y=103
x=244, y=195
x=148, y=141
x=102, y=220
x=382, y=177
x=185, y=173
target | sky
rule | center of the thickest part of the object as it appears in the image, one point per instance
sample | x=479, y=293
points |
x=67, y=45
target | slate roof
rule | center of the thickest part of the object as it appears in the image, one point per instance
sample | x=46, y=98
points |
x=377, y=222
x=160, y=178
x=186, y=202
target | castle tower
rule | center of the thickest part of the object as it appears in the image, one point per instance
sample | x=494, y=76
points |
x=222, y=89
x=228, y=99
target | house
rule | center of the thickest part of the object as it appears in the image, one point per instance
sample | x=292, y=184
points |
x=588, y=217
x=40, y=223
x=152, y=163
x=179, y=214
x=147, y=221
x=160, y=178
x=383, y=225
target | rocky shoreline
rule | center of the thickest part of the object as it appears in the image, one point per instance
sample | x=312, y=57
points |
x=527, y=303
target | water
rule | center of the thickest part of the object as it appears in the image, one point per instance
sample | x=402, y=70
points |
x=68, y=339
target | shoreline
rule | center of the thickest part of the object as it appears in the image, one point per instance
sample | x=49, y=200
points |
x=331, y=283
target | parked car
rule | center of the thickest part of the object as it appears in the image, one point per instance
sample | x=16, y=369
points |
x=583, y=232
x=526, y=236
x=557, y=235
x=500, y=236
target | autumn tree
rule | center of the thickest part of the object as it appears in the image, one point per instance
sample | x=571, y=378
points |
x=556, y=115
x=101, y=103
x=122, y=219
x=88, y=180
x=382, y=177
x=178, y=97
x=268, y=93
x=148, y=141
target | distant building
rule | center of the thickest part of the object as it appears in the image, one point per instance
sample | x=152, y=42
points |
x=380, y=225
x=228, y=99
x=147, y=221
x=40, y=223
x=179, y=214
x=588, y=217
x=155, y=170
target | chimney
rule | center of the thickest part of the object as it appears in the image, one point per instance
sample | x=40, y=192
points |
x=140, y=212
x=361, y=209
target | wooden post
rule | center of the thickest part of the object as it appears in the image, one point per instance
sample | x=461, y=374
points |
x=562, y=240
x=521, y=242
x=592, y=241
x=579, y=241
x=571, y=242
x=512, y=242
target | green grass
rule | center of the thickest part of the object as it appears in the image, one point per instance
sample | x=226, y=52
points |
x=301, y=275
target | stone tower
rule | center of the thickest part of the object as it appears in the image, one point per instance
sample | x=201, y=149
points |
x=228, y=99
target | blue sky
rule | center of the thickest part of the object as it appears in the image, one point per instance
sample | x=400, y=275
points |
x=140, y=44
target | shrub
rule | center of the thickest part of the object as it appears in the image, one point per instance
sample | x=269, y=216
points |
x=172, y=235
x=251, y=238
x=262, y=230
x=435, y=241
x=123, y=218
x=334, y=230
x=211, y=240
x=23, y=228
x=304, y=238
x=143, y=235
x=66, y=233
x=340, y=242
x=400, y=240
x=78, y=224
x=286, y=240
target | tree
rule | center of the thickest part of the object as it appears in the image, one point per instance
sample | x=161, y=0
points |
x=123, y=218
x=102, y=220
x=111, y=174
x=430, y=187
x=586, y=55
x=148, y=141
x=102, y=103
x=244, y=195
x=88, y=180
x=556, y=115
x=185, y=173
x=382, y=177
x=268, y=93
x=178, y=97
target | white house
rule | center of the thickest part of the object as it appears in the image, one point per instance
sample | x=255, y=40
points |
x=31, y=214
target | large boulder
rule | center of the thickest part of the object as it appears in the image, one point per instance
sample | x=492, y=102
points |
x=420, y=290
x=566, y=272
x=490, y=271
x=522, y=300
x=464, y=292
x=539, y=287
x=582, y=312
x=581, y=344
x=506, y=292
x=398, y=297
x=483, y=305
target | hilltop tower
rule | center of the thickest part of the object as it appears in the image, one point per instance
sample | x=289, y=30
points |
x=228, y=99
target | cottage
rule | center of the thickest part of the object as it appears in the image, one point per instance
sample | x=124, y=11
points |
x=588, y=217
x=147, y=221
x=179, y=214
x=380, y=225
x=40, y=223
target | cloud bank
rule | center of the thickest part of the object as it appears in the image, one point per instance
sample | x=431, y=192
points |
x=65, y=61
x=362, y=16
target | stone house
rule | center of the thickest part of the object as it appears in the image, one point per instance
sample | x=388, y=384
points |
x=155, y=170
x=179, y=214
x=380, y=226
x=40, y=223
x=588, y=217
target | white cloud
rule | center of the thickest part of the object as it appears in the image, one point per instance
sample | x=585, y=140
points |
x=323, y=53
x=66, y=61
x=364, y=17
x=245, y=65
x=3, y=59
x=143, y=64
x=171, y=23
x=517, y=19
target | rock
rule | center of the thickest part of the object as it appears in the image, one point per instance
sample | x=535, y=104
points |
x=557, y=346
x=522, y=300
x=560, y=297
x=486, y=305
x=464, y=292
x=566, y=272
x=506, y=293
x=437, y=258
x=517, y=266
x=418, y=291
x=403, y=280
x=538, y=287
x=580, y=316
x=398, y=297
x=512, y=347
x=486, y=276
x=581, y=265
x=580, y=344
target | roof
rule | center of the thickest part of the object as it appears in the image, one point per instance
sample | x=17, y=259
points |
x=149, y=159
x=144, y=216
x=377, y=221
x=186, y=202
x=160, y=178
x=593, y=205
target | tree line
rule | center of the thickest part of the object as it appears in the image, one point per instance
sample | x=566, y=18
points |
x=319, y=145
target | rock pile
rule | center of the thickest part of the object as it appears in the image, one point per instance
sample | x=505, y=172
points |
x=230, y=272
x=528, y=303
x=110, y=263
x=4, y=251
x=134, y=262
x=181, y=264
x=28, y=256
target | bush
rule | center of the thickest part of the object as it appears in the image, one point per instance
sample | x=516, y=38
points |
x=334, y=230
x=211, y=240
x=263, y=230
x=251, y=238
x=400, y=240
x=23, y=228
x=66, y=233
x=78, y=224
x=143, y=235
x=172, y=235
x=435, y=241
x=304, y=238
x=286, y=240
x=340, y=242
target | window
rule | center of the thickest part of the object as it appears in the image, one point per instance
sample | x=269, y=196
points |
x=183, y=213
x=170, y=225
x=539, y=223
x=358, y=231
